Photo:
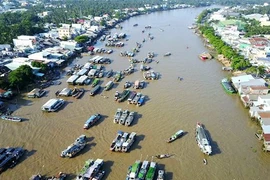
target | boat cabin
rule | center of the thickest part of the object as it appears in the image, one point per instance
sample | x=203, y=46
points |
x=36, y=93
x=52, y=105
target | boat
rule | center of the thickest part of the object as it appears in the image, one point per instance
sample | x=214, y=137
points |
x=128, y=172
x=163, y=156
x=118, y=145
x=95, y=82
x=124, y=117
x=175, y=136
x=227, y=86
x=92, y=171
x=131, y=96
x=150, y=75
x=167, y=54
x=136, y=98
x=202, y=139
x=9, y=157
x=94, y=90
x=117, y=76
x=11, y=118
x=109, y=73
x=129, y=119
x=99, y=175
x=160, y=175
x=123, y=95
x=138, y=84
x=126, y=145
x=204, y=161
x=141, y=100
x=108, y=86
x=86, y=166
x=127, y=85
x=117, y=115
x=135, y=170
x=117, y=138
x=134, y=25
x=59, y=176
x=143, y=170
x=92, y=120
x=151, y=171
x=79, y=93
x=75, y=147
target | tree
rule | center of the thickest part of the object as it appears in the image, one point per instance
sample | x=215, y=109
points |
x=21, y=77
x=81, y=39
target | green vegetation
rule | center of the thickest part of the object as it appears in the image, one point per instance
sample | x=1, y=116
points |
x=20, y=77
x=81, y=39
x=43, y=67
x=238, y=62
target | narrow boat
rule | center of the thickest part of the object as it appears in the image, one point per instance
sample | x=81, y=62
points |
x=118, y=145
x=227, y=86
x=109, y=73
x=124, y=117
x=92, y=171
x=117, y=76
x=75, y=147
x=99, y=175
x=167, y=54
x=117, y=138
x=94, y=90
x=163, y=156
x=131, y=96
x=143, y=170
x=87, y=164
x=151, y=171
x=141, y=100
x=95, y=82
x=79, y=93
x=123, y=95
x=175, y=136
x=91, y=121
x=127, y=85
x=108, y=86
x=135, y=170
x=117, y=115
x=136, y=98
x=126, y=145
x=128, y=172
x=129, y=119
x=160, y=175
x=202, y=139
x=11, y=118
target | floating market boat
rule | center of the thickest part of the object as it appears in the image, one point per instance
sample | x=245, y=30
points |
x=128, y=172
x=151, y=171
x=227, y=86
x=117, y=76
x=109, y=73
x=93, y=171
x=131, y=96
x=91, y=121
x=128, y=143
x=160, y=175
x=108, y=86
x=141, y=100
x=11, y=118
x=99, y=175
x=163, y=156
x=94, y=90
x=202, y=139
x=124, y=117
x=175, y=136
x=95, y=82
x=117, y=138
x=117, y=115
x=127, y=84
x=86, y=166
x=136, y=98
x=75, y=147
x=143, y=170
x=167, y=54
x=129, y=119
x=135, y=170
x=118, y=145
x=123, y=95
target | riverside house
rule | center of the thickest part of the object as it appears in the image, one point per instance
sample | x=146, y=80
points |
x=261, y=105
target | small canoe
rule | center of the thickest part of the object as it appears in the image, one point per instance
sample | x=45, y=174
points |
x=175, y=136
x=162, y=156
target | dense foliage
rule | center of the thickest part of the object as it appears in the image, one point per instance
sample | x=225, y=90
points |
x=21, y=77
x=81, y=39
x=238, y=62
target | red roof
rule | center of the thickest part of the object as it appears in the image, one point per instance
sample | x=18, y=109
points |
x=266, y=137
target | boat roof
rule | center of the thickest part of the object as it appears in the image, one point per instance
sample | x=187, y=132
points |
x=72, y=78
x=91, y=119
x=51, y=102
x=179, y=132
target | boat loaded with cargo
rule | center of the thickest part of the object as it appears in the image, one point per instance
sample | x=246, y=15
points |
x=91, y=121
x=135, y=170
x=92, y=172
x=151, y=171
x=9, y=157
x=94, y=90
x=123, y=141
x=75, y=147
x=202, y=139
x=108, y=86
x=116, y=139
x=53, y=105
x=117, y=115
x=143, y=170
x=227, y=86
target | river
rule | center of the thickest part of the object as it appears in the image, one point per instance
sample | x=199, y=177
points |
x=171, y=105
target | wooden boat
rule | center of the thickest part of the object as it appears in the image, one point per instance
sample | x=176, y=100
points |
x=117, y=76
x=227, y=86
x=118, y=145
x=162, y=156
x=124, y=117
x=11, y=118
x=143, y=170
x=117, y=138
x=141, y=100
x=131, y=96
x=127, y=84
x=123, y=95
x=175, y=136
x=79, y=93
x=92, y=120
x=108, y=86
x=160, y=175
x=99, y=175
x=202, y=139
x=94, y=90
x=151, y=171
x=86, y=166
x=109, y=73
x=117, y=115
x=167, y=54
x=128, y=143
x=95, y=82
x=135, y=170
x=129, y=119
x=136, y=98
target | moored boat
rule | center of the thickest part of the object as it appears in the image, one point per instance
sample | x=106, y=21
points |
x=117, y=115
x=151, y=171
x=109, y=73
x=175, y=136
x=127, y=84
x=123, y=95
x=129, y=119
x=118, y=145
x=79, y=93
x=136, y=98
x=108, y=86
x=124, y=117
x=95, y=82
x=117, y=138
x=143, y=170
x=87, y=164
x=128, y=143
x=135, y=170
x=99, y=175
x=92, y=120
x=94, y=90
x=167, y=54
x=202, y=139
x=11, y=118
x=227, y=86
x=92, y=171
x=131, y=96
x=163, y=156
x=117, y=76
x=75, y=147
x=160, y=175
x=128, y=172
x=141, y=100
